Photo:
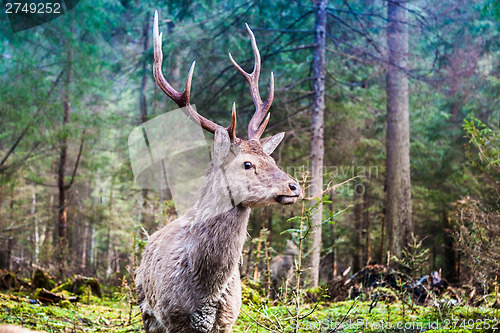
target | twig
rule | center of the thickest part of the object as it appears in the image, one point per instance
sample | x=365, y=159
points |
x=329, y=189
x=345, y=317
x=256, y=322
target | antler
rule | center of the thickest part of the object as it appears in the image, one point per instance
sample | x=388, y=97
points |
x=256, y=126
x=182, y=98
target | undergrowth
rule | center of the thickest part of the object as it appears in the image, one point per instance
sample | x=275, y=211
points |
x=112, y=315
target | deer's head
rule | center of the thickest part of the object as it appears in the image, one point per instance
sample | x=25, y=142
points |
x=247, y=166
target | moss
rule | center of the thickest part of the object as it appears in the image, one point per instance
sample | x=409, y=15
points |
x=249, y=295
x=64, y=294
x=385, y=294
x=82, y=290
x=95, y=286
x=80, y=284
x=109, y=316
x=67, y=286
x=8, y=280
x=37, y=293
x=41, y=280
x=316, y=294
x=65, y=304
x=254, y=285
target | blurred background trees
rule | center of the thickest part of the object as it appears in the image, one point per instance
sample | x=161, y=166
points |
x=73, y=89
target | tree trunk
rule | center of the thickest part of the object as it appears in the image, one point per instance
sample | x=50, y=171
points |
x=450, y=255
x=1, y=200
x=382, y=237
x=317, y=146
x=366, y=223
x=144, y=68
x=357, y=235
x=63, y=157
x=398, y=197
x=36, y=236
x=334, y=239
x=83, y=253
x=144, y=113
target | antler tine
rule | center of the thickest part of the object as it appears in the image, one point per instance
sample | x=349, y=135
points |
x=180, y=98
x=262, y=127
x=232, y=126
x=255, y=128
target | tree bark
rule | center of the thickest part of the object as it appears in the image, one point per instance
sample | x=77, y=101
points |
x=334, y=238
x=62, y=217
x=144, y=113
x=366, y=223
x=357, y=262
x=61, y=185
x=317, y=146
x=398, y=197
x=450, y=255
x=36, y=236
x=144, y=68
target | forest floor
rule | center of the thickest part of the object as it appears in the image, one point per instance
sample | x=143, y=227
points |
x=91, y=314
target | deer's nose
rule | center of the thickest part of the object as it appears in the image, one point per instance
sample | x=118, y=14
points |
x=295, y=188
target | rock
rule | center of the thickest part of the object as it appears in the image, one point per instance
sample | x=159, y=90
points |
x=80, y=284
x=42, y=280
x=8, y=280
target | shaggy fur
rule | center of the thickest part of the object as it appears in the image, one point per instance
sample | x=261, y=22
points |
x=188, y=280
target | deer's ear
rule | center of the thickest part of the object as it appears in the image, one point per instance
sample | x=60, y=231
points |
x=269, y=144
x=221, y=146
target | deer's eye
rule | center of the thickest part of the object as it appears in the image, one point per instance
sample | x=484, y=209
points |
x=247, y=165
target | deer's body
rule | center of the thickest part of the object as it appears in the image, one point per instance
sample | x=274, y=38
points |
x=198, y=268
x=188, y=280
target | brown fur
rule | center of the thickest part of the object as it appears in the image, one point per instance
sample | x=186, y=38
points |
x=188, y=280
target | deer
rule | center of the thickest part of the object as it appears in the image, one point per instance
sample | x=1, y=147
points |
x=188, y=279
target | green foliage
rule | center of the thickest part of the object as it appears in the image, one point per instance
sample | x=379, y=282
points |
x=476, y=219
x=250, y=294
x=414, y=257
x=492, y=7
x=486, y=142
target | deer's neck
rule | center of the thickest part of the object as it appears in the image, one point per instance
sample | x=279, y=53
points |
x=217, y=233
x=216, y=245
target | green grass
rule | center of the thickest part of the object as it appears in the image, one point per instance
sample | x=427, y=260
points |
x=106, y=315
x=354, y=316
x=97, y=316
